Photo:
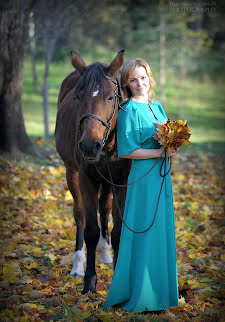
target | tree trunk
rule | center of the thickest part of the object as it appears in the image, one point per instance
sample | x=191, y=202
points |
x=33, y=52
x=14, y=17
x=45, y=96
x=162, y=54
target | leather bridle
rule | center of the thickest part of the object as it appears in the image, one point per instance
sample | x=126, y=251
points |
x=107, y=124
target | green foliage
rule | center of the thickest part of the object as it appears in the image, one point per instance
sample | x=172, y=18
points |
x=202, y=101
x=194, y=58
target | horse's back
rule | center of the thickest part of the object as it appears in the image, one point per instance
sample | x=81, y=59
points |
x=67, y=84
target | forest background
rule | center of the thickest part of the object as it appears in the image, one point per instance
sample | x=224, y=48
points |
x=184, y=43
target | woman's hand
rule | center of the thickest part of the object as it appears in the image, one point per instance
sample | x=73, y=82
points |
x=168, y=154
x=158, y=124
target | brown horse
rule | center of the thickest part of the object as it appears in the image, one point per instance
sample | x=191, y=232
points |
x=85, y=131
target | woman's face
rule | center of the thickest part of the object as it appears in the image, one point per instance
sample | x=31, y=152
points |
x=139, y=82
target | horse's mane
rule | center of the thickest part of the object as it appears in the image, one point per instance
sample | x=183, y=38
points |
x=93, y=76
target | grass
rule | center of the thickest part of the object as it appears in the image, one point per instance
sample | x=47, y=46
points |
x=32, y=102
x=201, y=102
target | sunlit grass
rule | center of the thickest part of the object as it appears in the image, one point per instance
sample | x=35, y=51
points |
x=201, y=103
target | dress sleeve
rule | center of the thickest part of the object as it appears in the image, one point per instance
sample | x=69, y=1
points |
x=128, y=131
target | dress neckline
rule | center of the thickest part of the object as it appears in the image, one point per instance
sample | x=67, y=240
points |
x=149, y=106
x=139, y=102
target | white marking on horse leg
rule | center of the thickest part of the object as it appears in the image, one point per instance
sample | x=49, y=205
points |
x=95, y=93
x=104, y=251
x=79, y=260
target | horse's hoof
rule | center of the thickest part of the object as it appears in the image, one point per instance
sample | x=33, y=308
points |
x=90, y=284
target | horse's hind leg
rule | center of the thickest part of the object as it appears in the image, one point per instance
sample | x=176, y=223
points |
x=79, y=258
x=105, y=206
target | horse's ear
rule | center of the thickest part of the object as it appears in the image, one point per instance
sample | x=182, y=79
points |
x=116, y=64
x=77, y=62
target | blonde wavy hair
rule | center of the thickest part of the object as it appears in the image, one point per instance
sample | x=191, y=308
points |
x=128, y=68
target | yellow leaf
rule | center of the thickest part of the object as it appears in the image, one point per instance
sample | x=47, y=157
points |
x=31, y=265
x=193, y=255
x=51, y=256
x=29, y=306
x=68, y=196
x=181, y=282
x=206, y=280
x=31, y=248
x=36, y=250
x=194, y=283
x=66, y=260
x=4, y=192
x=77, y=281
x=103, y=266
x=11, y=272
x=103, y=293
x=8, y=247
x=209, y=293
x=33, y=306
x=70, y=234
x=26, y=279
x=185, y=317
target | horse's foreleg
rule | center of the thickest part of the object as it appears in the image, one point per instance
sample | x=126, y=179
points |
x=117, y=221
x=89, y=190
x=91, y=236
x=105, y=206
x=79, y=258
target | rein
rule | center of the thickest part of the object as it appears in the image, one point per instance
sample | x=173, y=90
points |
x=163, y=175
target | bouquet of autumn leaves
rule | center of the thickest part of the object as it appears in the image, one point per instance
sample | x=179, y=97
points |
x=172, y=134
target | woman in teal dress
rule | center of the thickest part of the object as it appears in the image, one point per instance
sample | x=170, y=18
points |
x=145, y=277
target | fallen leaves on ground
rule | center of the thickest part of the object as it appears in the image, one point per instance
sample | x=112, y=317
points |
x=38, y=239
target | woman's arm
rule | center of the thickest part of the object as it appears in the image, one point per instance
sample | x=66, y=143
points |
x=140, y=154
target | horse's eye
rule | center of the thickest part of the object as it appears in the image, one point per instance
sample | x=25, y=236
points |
x=77, y=97
x=110, y=98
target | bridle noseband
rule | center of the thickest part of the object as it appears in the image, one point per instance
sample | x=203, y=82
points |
x=107, y=124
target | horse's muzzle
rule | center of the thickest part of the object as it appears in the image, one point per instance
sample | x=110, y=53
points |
x=91, y=151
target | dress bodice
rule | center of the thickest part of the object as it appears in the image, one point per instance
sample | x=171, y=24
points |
x=136, y=126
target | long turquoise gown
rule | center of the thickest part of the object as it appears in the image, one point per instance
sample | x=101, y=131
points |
x=145, y=277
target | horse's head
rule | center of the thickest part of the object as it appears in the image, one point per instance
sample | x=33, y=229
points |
x=97, y=94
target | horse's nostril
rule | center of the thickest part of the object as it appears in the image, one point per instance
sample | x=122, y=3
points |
x=98, y=146
x=90, y=151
